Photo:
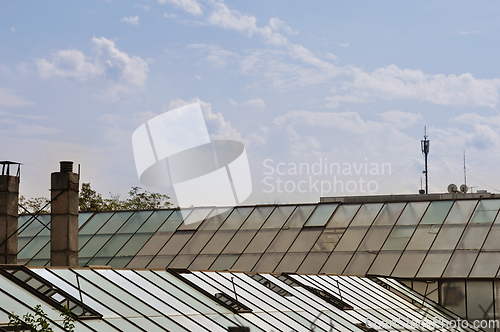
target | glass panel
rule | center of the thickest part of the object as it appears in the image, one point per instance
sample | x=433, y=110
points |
x=343, y=215
x=351, y=239
x=375, y=238
x=284, y=240
x=268, y=262
x=173, y=221
x=474, y=236
x=224, y=262
x=93, y=225
x=83, y=217
x=182, y=261
x=389, y=214
x=197, y=242
x=412, y=213
x=367, y=212
x=290, y=263
x=460, y=212
x=246, y=262
x=423, y=237
x=299, y=216
x=239, y=242
x=492, y=242
x=313, y=263
x=328, y=240
x=448, y=237
x=479, y=300
x=321, y=215
x=360, y=263
x=436, y=212
x=116, y=221
x=156, y=220
x=176, y=242
x=337, y=262
x=486, y=265
x=135, y=244
x=384, y=263
x=202, y=262
x=94, y=245
x=139, y=262
x=306, y=239
x=399, y=237
x=134, y=222
x=460, y=263
x=486, y=211
x=261, y=241
x=119, y=262
x=216, y=219
x=278, y=217
x=236, y=218
x=408, y=264
x=195, y=218
x=113, y=245
x=155, y=243
x=453, y=296
x=34, y=226
x=33, y=247
x=258, y=217
x=434, y=264
x=159, y=262
x=218, y=242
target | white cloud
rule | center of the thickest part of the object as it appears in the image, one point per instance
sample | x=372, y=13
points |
x=468, y=32
x=170, y=16
x=214, y=54
x=277, y=24
x=255, y=103
x=219, y=128
x=190, y=6
x=393, y=83
x=143, y=7
x=232, y=19
x=198, y=77
x=115, y=66
x=344, y=44
x=13, y=29
x=401, y=119
x=132, y=20
x=9, y=98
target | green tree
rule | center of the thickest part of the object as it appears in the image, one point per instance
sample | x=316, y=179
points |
x=91, y=200
x=39, y=321
x=33, y=205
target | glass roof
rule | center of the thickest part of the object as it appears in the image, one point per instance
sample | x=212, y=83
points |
x=182, y=300
x=426, y=239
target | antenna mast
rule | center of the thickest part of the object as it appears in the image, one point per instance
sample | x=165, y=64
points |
x=425, y=150
x=465, y=173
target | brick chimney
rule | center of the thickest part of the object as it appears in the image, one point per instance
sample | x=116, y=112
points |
x=64, y=216
x=9, y=200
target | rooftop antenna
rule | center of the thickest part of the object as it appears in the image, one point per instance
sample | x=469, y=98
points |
x=465, y=172
x=425, y=150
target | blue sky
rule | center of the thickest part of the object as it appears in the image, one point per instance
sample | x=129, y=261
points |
x=333, y=82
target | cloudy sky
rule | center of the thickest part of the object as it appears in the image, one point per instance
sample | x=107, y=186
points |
x=324, y=93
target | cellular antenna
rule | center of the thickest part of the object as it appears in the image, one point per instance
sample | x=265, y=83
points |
x=425, y=150
x=465, y=172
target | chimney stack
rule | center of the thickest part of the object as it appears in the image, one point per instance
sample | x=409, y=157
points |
x=9, y=200
x=64, y=216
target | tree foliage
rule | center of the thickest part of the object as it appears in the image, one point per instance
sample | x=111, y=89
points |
x=39, y=321
x=34, y=205
x=91, y=200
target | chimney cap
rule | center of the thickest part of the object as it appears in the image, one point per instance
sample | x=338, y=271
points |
x=66, y=166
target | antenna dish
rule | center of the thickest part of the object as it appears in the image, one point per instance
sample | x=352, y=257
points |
x=452, y=188
x=464, y=188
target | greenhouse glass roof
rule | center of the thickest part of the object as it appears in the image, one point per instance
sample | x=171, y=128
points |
x=181, y=300
x=412, y=239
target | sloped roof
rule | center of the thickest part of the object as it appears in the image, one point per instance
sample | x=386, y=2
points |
x=415, y=239
x=160, y=300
